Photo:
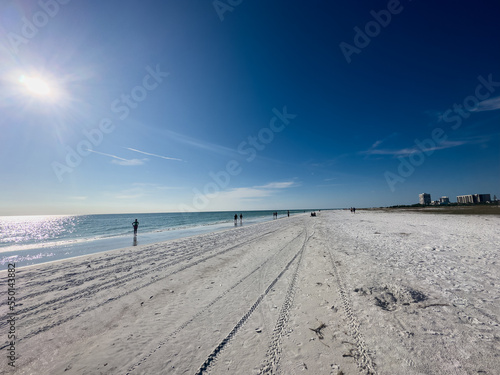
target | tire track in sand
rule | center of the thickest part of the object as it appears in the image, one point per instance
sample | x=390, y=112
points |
x=273, y=356
x=362, y=355
x=182, y=253
x=213, y=356
x=49, y=305
x=204, y=309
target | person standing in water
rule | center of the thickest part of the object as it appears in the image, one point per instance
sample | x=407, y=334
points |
x=235, y=219
x=135, y=224
x=241, y=219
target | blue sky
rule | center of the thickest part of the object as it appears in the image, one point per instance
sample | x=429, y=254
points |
x=160, y=106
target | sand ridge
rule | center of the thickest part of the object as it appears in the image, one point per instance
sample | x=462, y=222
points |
x=340, y=293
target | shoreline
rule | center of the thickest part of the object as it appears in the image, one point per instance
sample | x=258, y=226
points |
x=37, y=254
x=140, y=247
x=359, y=293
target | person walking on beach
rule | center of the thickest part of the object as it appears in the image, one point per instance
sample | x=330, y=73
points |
x=354, y=210
x=288, y=213
x=235, y=219
x=135, y=224
x=241, y=219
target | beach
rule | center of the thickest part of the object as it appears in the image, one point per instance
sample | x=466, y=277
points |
x=372, y=293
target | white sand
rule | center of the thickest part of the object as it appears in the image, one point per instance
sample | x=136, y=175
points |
x=388, y=293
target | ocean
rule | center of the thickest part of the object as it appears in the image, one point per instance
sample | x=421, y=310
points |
x=27, y=240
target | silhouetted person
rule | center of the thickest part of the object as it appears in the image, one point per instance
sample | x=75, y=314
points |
x=288, y=213
x=135, y=224
x=354, y=210
x=235, y=219
x=241, y=218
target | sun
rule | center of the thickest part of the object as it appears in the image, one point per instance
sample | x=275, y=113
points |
x=36, y=86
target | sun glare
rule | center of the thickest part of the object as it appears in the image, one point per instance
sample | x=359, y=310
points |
x=35, y=85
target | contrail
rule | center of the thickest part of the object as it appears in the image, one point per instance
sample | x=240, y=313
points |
x=147, y=153
x=111, y=156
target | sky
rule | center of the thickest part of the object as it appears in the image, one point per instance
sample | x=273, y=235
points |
x=164, y=106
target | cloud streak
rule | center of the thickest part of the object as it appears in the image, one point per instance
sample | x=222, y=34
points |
x=488, y=105
x=201, y=144
x=121, y=161
x=254, y=193
x=129, y=163
x=277, y=185
x=410, y=150
x=155, y=155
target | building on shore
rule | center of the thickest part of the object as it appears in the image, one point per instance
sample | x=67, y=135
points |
x=469, y=198
x=444, y=200
x=473, y=198
x=483, y=198
x=424, y=199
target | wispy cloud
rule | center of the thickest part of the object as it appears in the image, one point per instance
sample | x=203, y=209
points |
x=129, y=163
x=277, y=185
x=252, y=193
x=121, y=161
x=410, y=150
x=201, y=144
x=377, y=143
x=215, y=148
x=489, y=105
x=244, y=193
x=150, y=154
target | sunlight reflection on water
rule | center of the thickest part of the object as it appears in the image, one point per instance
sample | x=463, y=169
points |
x=34, y=229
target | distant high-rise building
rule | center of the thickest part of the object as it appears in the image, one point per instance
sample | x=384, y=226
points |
x=474, y=198
x=444, y=200
x=424, y=198
x=469, y=198
x=481, y=198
